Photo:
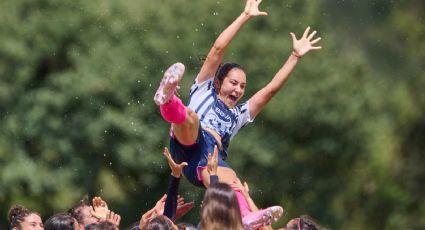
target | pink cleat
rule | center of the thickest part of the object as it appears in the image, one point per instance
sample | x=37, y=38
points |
x=261, y=218
x=169, y=83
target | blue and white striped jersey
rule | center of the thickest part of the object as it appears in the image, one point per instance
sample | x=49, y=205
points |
x=213, y=113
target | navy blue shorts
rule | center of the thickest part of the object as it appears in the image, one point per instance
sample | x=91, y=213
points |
x=195, y=155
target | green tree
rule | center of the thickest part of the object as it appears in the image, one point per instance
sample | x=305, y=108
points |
x=342, y=142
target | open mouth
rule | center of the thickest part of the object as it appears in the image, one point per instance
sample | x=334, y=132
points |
x=233, y=98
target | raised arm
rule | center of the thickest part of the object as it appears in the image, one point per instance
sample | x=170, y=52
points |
x=300, y=48
x=212, y=166
x=175, y=206
x=215, y=55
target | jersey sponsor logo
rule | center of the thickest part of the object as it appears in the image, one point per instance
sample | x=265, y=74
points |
x=222, y=114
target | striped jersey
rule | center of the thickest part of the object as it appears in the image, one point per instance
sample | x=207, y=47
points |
x=214, y=114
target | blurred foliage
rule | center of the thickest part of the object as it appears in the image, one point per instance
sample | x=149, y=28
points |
x=344, y=141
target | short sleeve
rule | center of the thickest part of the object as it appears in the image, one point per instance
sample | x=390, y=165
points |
x=244, y=117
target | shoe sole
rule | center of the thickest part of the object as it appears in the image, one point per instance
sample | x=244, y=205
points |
x=270, y=216
x=169, y=83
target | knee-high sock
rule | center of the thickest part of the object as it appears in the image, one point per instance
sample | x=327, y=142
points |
x=243, y=204
x=173, y=111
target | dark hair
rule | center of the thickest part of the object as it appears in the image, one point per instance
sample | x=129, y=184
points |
x=134, y=226
x=220, y=209
x=90, y=226
x=60, y=221
x=160, y=222
x=104, y=225
x=75, y=211
x=17, y=215
x=305, y=222
x=222, y=72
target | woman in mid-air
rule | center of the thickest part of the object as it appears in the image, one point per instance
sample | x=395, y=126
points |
x=212, y=116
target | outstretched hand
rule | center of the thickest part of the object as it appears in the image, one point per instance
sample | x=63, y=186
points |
x=238, y=186
x=183, y=207
x=176, y=169
x=99, y=208
x=251, y=8
x=305, y=43
x=114, y=218
x=213, y=162
x=146, y=217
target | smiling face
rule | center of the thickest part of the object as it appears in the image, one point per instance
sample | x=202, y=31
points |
x=32, y=222
x=233, y=87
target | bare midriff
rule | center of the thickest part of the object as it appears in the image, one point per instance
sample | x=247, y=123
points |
x=215, y=135
x=226, y=175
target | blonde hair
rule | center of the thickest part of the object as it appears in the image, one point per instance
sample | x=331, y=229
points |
x=220, y=209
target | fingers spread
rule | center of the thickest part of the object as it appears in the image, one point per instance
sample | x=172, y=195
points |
x=294, y=38
x=306, y=32
x=315, y=40
x=311, y=35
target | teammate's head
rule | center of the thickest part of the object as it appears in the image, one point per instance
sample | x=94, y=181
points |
x=220, y=209
x=82, y=212
x=62, y=221
x=303, y=222
x=160, y=222
x=21, y=218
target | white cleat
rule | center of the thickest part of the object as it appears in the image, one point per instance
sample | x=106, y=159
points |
x=169, y=83
x=262, y=218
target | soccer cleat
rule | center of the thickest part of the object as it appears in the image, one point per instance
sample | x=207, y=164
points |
x=169, y=83
x=261, y=218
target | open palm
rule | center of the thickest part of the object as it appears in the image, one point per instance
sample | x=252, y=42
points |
x=176, y=169
x=305, y=43
x=251, y=8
